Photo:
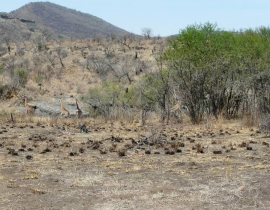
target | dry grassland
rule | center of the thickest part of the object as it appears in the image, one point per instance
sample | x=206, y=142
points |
x=76, y=76
x=47, y=163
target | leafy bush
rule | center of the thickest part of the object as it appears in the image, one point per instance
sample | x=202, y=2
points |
x=20, y=76
x=212, y=69
x=104, y=99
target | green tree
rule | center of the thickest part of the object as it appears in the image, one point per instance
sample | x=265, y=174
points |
x=211, y=68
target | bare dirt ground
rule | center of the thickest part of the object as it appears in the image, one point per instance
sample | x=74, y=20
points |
x=50, y=164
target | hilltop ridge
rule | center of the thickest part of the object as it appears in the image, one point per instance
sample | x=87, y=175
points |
x=62, y=22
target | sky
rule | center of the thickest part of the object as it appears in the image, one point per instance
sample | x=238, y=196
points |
x=167, y=17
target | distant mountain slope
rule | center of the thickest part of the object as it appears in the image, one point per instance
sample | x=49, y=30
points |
x=15, y=29
x=65, y=22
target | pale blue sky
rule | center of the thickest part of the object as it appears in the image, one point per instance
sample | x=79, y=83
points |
x=167, y=17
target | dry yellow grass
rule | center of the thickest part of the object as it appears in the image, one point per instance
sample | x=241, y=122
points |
x=73, y=78
x=65, y=165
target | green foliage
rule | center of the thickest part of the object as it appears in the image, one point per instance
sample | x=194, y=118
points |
x=208, y=70
x=113, y=91
x=21, y=76
x=156, y=88
x=212, y=68
x=109, y=95
x=39, y=80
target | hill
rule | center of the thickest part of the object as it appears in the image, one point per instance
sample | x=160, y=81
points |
x=24, y=30
x=65, y=22
x=70, y=67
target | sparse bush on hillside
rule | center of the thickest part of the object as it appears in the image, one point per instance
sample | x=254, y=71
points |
x=7, y=91
x=112, y=67
x=46, y=34
x=39, y=80
x=20, y=52
x=126, y=40
x=7, y=39
x=109, y=51
x=61, y=54
x=97, y=39
x=23, y=63
x=3, y=50
x=104, y=99
x=114, y=101
x=147, y=33
x=37, y=60
x=97, y=64
x=51, y=57
x=9, y=64
x=210, y=71
x=20, y=77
